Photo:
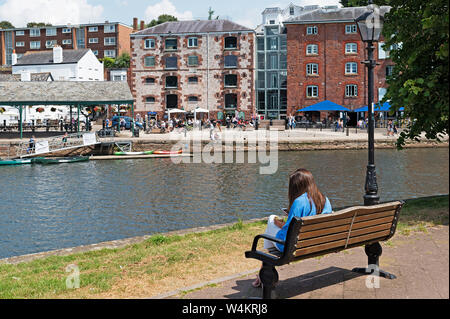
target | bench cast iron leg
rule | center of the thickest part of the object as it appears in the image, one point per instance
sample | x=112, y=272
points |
x=269, y=278
x=374, y=252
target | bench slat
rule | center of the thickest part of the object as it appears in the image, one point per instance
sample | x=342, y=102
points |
x=343, y=235
x=344, y=228
x=381, y=236
x=345, y=221
x=349, y=212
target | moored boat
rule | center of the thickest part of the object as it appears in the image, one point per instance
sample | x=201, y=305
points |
x=60, y=160
x=15, y=162
x=133, y=153
x=167, y=152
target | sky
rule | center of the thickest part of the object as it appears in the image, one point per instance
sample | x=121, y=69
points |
x=61, y=12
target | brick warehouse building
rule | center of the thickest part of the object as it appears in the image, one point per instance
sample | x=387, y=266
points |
x=190, y=64
x=104, y=39
x=325, y=52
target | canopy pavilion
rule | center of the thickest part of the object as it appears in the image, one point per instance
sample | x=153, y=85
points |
x=72, y=94
x=325, y=106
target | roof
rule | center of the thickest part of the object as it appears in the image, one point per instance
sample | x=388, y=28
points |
x=332, y=15
x=64, y=93
x=46, y=57
x=82, y=25
x=385, y=107
x=325, y=106
x=35, y=77
x=197, y=26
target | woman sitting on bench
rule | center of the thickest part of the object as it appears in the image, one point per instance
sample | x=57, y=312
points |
x=305, y=199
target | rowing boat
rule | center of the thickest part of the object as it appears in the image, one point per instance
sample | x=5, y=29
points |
x=61, y=160
x=167, y=152
x=15, y=162
x=133, y=153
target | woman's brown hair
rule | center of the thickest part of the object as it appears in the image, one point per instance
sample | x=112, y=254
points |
x=301, y=182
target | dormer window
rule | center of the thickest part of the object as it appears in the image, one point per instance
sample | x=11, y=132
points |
x=291, y=11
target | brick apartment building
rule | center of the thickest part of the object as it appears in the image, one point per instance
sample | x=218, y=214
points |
x=194, y=64
x=104, y=39
x=324, y=55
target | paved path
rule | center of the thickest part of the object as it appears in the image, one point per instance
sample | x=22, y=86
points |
x=420, y=261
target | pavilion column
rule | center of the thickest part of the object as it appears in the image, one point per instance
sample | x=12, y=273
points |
x=71, y=127
x=132, y=119
x=20, y=122
x=78, y=121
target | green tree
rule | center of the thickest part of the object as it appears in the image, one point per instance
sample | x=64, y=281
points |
x=162, y=19
x=418, y=33
x=362, y=3
x=6, y=25
x=121, y=62
x=38, y=24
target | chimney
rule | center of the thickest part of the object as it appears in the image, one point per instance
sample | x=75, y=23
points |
x=135, y=24
x=57, y=54
x=25, y=76
x=142, y=24
x=14, y=58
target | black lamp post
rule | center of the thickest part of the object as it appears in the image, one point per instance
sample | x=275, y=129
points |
x=370, y=25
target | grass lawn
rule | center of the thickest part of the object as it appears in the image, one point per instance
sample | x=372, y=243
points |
x=162, y=264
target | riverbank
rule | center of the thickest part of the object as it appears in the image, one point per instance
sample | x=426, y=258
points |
x=150, y=266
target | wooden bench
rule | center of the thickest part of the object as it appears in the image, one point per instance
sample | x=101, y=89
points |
x=330, y=233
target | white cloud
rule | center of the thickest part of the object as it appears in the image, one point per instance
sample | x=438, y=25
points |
x=56, y=12
x=166, y=7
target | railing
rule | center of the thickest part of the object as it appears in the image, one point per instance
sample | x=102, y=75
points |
x=56, y=144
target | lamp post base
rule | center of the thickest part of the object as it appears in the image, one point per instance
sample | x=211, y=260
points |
x=371, y=198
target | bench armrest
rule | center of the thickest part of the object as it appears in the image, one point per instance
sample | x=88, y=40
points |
x=271, y=238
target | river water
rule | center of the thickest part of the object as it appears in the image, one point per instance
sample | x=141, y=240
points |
x=44, y=208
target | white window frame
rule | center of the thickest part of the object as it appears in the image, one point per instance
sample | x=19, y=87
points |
x=351, y=68
x=311, y=30
x=312, y=69
x=351, y=90
x=194, y=43
x=93, y=40
x=51, y=34
x=66, y=41
x=95, y=52
x=312, y=52
x=351, y=48
x=149, y=66
x=20, y=33
x=149, y=41
x=20, y=44
x=105, y=54
x=351, y=29
x=35, y=33
x=315, y=91
x=108, y=41
x=50, y=43
x=93, y=29
x=109, y=28
x=33, y=47
x=66, y=30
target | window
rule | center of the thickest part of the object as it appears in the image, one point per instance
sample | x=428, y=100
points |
x=149, y=61
x=93, y=40
x=350, y=28
x=351, y=68
x=35, y=44
x=149, y=80
x=312, y=91
x=171, y=44
x=192, y=42
x=291, y=11
x=230, y=101
x=193, y=60
x=230, y=80
x=272, y=80
x=389, y=70
x=93, y=29
x=312, y=49
x=192, y=99
x=20, y=44
x=171, y=82
x=50, y=43
x=193, y=80
x=95, y=52
x=283, y=61
x=50, y=32
x=272, y=61
x=150, y=99
x=110, y=53
x=260, y=43
x=231, y=61
x=110, y=41
x=312, y=69
x=35, y=32
x=351, y=90
x=19, y=33
x=67, y=30
x=351, y=48
x=311, y=30
x=150, y=44
x=272, y=22
x=66, y=41
x=272, y=43
x=171, y=63
x=230, y=43
x=109, y=28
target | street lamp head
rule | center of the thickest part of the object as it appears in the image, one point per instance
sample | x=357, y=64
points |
x=370, y=24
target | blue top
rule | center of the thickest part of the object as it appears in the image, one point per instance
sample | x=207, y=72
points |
x=301, y=208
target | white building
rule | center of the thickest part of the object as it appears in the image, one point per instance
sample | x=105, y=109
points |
x=64, y=65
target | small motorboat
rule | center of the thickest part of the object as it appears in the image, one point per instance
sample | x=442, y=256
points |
x=167, y=152
x=15, y=162
x=60, y=160
x=133, y=153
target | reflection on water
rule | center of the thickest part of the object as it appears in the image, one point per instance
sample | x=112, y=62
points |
x=50, y=207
